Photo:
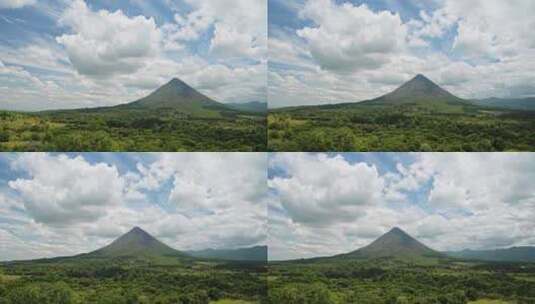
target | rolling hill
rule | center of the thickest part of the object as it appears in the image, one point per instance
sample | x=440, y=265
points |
x=396, y=244
x=256, y=254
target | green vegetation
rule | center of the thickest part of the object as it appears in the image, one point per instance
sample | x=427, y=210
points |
x=393, y=281
x=131, y=129
x=405, y=127
x=131, y=280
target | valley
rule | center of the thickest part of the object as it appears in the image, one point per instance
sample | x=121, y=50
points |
x=135, y=268
x=175, y=117
x=398, y=269
x=418, y=116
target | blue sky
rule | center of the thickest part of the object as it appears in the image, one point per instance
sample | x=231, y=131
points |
x=84, y=53
x=326, y=204
x=333, y=51
x=66, y=204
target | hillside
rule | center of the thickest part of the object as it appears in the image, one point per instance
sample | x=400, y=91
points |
x=253, y=106
x=395, y=243
x=256, y=254
x=514, y=254
x=522, y=104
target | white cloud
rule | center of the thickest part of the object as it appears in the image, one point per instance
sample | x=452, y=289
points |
x=104, y=43
x=350, y=53
x=61, y=205
x=349, y=38
x=15, y=3
x=321, y=190
x=489, y=194
x=65, y=190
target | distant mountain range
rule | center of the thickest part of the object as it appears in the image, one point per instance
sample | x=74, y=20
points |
x=421, y=91
x=514, y=254
x=257, y=253
x=139, y=244
x=253, y=106
x=525, y=104
x=397, y=244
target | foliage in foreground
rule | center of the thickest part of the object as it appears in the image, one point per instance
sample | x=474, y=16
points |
x=131, y=130
x=400, y=128
x=399, y=282
x=123, y=282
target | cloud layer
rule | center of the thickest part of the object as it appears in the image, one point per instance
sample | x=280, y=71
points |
x=329, y=204
x=349, y=51
x=82, y=54
x=54, y=205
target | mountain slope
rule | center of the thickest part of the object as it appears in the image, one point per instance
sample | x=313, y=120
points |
x=395, y=243
x=524, y=104
x=253, y=106
x=176, y=94
x=257, y=254
x=136, y=242
x=417, y=90
x=514, y=254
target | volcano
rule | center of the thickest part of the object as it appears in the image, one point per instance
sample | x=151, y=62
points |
x=176, y=94
x=395, y=243
x=419, y=89
x=137, y=242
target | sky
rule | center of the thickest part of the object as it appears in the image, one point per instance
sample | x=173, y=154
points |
x=57, y=54
x=327, y=204
x=65, y=204
x=336, y=51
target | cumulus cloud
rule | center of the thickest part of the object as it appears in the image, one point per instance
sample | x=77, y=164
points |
x=75, y=192
x=490, y=193
x=93, y=56
x=69, y=204
x=105, y=43
x=349, y=38
x=320, y=190
x=343, y=52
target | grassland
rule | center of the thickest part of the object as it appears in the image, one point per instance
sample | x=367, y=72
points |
x=407, y=127
x=132, y=130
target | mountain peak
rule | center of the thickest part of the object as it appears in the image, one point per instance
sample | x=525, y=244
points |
x=177, y=82
x=394, y=243
x=136, y=242
x=178, y=95
x=396, y=230
x=418, y=89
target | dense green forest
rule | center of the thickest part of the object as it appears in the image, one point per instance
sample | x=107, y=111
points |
x=405, y=127
x=132, y=130
x=390, y=281
x=131, y=281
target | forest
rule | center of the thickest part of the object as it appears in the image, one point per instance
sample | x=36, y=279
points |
x=403, y=128
x=390, y=281
x=128, y=281
x=131, y=130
